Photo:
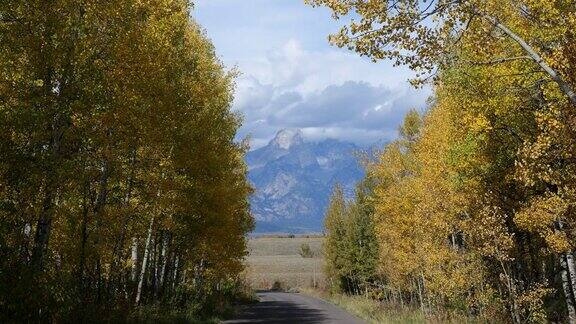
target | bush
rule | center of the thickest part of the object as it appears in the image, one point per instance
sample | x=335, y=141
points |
x=306, y=251
x=278, y=286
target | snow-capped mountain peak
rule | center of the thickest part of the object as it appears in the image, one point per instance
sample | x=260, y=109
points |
x=287, y=138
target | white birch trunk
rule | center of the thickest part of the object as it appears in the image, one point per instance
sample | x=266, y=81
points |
x=164, y=262
x=566, y=286
x=175, y=273
x=134, y=259
x=571, y=272
x=144, y=262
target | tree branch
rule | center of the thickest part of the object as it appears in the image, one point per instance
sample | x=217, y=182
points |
x=499, y=60
x=564, y=86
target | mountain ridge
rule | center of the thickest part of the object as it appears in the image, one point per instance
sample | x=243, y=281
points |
x=294, y=178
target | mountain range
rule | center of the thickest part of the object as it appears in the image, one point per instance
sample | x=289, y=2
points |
x=294, y=178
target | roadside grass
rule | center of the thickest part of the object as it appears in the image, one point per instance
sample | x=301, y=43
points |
x=216, y=309
x=370, y=310
x=374, y=311
x=157, y=314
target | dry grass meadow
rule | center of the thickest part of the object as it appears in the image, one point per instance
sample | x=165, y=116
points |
x=278, y=260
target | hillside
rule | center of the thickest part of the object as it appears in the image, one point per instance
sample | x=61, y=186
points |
x=293, y=179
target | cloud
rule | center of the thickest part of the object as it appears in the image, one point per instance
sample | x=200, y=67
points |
x=352, y=111
x=292, y=78
x=290, y=66
x=328, y=94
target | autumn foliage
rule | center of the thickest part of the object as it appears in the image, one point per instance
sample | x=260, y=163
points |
x=475, y=203
x=120, y=181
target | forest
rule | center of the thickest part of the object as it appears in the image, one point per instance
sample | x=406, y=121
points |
x=471, y=213
x=122, y=190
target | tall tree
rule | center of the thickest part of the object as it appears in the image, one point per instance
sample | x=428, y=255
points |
x=118, y=158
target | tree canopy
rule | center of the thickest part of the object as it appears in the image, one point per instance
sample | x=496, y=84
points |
x=474, y=203
x=120, y=181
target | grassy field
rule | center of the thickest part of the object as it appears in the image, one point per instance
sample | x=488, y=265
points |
x=278, y=259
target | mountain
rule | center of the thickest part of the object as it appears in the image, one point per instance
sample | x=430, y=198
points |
x=294, y=178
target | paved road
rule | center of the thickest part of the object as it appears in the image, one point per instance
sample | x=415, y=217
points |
x=279, y=307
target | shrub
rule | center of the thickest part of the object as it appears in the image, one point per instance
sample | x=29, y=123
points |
x=306, y=251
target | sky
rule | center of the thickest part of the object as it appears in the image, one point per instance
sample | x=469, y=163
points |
x=291, y=77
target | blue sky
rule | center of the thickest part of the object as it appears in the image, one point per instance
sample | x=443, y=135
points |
x=291, y=77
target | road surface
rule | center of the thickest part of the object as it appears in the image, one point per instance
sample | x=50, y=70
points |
x=279, y=307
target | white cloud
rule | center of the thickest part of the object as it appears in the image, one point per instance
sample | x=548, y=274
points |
x=291, y=66
x=329, y=94
x=292, y=77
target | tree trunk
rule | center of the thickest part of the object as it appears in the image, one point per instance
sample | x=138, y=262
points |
x=510, y=285
x=421, y=291
x=134, y=258
x=571, y=272
x=43, y=228
x=102, y=187
x=144, y=262
x=175, y=279
x=566, y=286
x=25, y=243
x=98, y=280
x=98, y=207
x=165, y=260
x=83, y=237
x=155, y=261
x=44, y=222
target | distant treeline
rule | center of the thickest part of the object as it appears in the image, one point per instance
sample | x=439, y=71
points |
x=120, y=181
x=472, y=211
